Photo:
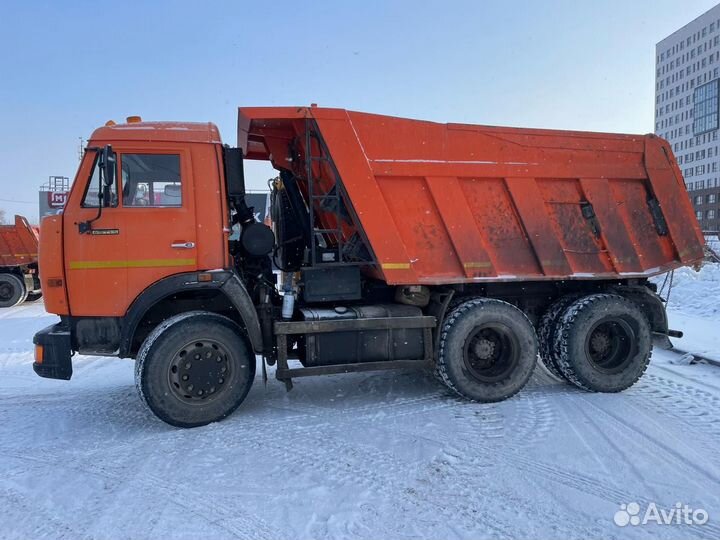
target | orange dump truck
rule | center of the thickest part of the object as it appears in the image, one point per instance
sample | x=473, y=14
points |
x=19, y=280
x=470, y=250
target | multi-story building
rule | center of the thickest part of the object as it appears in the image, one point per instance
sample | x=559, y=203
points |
x=687, y=109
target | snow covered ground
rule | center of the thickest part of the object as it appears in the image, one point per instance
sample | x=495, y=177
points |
x=372, y=455
x=695, y=308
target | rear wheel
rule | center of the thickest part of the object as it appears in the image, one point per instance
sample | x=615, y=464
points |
x=603, y=343
x=194, y=369
x=452, y=305
x=12, y=290
x=488, y=350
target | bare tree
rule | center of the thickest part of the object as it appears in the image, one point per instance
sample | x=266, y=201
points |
x=2, y=216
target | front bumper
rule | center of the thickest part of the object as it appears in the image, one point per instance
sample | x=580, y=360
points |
x=52, y=352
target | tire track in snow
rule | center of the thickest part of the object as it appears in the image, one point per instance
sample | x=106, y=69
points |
x=535, y=414
x=710, y=530
x=537, y=417
x=484, y=438
x=686, y=405
x=380, y=479
x=582, y=482
x=632, y=432
x=229, y=519
x=374, y=477
x=385, y=480
x=520, y=421
x=49, y=526
x=684, y=402
x=462, y=496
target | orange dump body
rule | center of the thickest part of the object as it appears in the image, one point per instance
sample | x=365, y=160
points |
x=18, y=243
x=450, y=203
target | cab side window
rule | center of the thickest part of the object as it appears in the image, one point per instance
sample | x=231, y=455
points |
x=151, y=180
x=91, y=198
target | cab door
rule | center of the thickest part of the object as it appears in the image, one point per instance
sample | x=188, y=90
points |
x=94, y=245
x=158, y=212
x=145, y=234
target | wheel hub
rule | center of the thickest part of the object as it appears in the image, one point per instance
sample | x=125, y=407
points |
x=490, y=352
x=600, y=342
x=6, y=291
x=611, y=344
x=484, y=349
x=199, y=371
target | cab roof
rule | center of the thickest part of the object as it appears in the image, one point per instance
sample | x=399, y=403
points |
x=198, y=132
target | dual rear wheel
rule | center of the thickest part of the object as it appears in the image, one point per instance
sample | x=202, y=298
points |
x=601, y=343
x=488, y=348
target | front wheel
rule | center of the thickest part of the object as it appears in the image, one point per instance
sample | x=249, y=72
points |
x=194, y=369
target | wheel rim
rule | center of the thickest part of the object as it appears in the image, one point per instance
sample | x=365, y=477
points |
x=199, y=372
x=611, y=344
x=491, y=352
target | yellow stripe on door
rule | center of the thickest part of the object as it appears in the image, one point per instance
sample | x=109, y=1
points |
x=142, y=263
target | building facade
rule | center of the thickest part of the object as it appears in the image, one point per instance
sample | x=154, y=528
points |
x=687, y=109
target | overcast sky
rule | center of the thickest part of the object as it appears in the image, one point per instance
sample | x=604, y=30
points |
x=68, y=67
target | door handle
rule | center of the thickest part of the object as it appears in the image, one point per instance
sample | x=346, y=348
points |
x=183, y=245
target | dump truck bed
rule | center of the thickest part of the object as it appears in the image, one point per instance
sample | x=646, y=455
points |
x=18, y=243
x=449, y=203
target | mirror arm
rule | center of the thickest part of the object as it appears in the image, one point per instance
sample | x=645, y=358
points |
x=86, y=226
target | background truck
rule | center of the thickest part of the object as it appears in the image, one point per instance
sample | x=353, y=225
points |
x=19, y=280
x=461, y=248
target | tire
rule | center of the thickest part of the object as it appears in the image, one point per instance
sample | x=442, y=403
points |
x=33, y=297
x=12, y=290
x=193, y=369
x=455, y=302
x=603, y=343
x=452, y=305
x=488, y=350
x=546, y=335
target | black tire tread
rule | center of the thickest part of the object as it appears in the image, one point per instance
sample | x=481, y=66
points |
x=160, y=330
x=461, y=310
x=562, y=336
x=546, y=334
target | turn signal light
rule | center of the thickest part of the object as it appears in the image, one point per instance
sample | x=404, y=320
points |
x=133, y=119
x=204, y=277
x=39, y=351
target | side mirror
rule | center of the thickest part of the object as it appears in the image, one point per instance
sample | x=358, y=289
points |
x=108, y=165
x=106, y=180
